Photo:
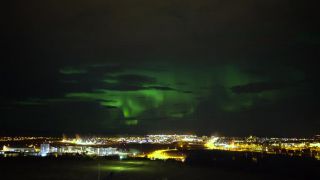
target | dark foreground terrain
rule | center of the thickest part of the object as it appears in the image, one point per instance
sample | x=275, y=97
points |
x=91, y=169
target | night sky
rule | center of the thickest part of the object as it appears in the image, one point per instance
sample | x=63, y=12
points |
x=220, y=67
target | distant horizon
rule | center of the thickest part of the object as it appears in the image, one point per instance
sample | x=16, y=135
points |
x=124, y=135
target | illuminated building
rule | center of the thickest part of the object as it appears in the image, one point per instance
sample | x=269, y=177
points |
x=44, y=149
x=19, y=150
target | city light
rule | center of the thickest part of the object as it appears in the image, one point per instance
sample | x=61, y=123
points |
x=164, y=154
x=106, y=146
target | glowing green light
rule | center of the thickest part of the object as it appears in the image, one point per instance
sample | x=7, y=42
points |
x=72, y=70
x=131, y=122
x=126, y=166
x=185, y=88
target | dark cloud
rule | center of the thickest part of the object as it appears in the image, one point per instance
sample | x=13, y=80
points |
x=131, y=87
x=111, y=107
x=260, y=87
x=135, y=79
x=187, y=92
x=122, y=87
x=124, y=82
x=164, y=88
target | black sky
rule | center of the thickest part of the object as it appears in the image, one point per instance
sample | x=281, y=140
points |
x=146, y=66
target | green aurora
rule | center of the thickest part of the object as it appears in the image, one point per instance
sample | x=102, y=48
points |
x=175, y=94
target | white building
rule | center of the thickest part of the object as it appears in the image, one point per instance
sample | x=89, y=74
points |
x=44, y=149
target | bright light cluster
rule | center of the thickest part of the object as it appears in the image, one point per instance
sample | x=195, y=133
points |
x=164, y=154
x=267, y=145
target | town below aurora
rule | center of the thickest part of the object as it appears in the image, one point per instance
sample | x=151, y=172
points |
x=159, y=147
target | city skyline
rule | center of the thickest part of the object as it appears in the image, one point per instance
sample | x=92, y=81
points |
x=160, y=146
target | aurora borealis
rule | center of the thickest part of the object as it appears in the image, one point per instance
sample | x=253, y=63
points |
x=138, y=67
